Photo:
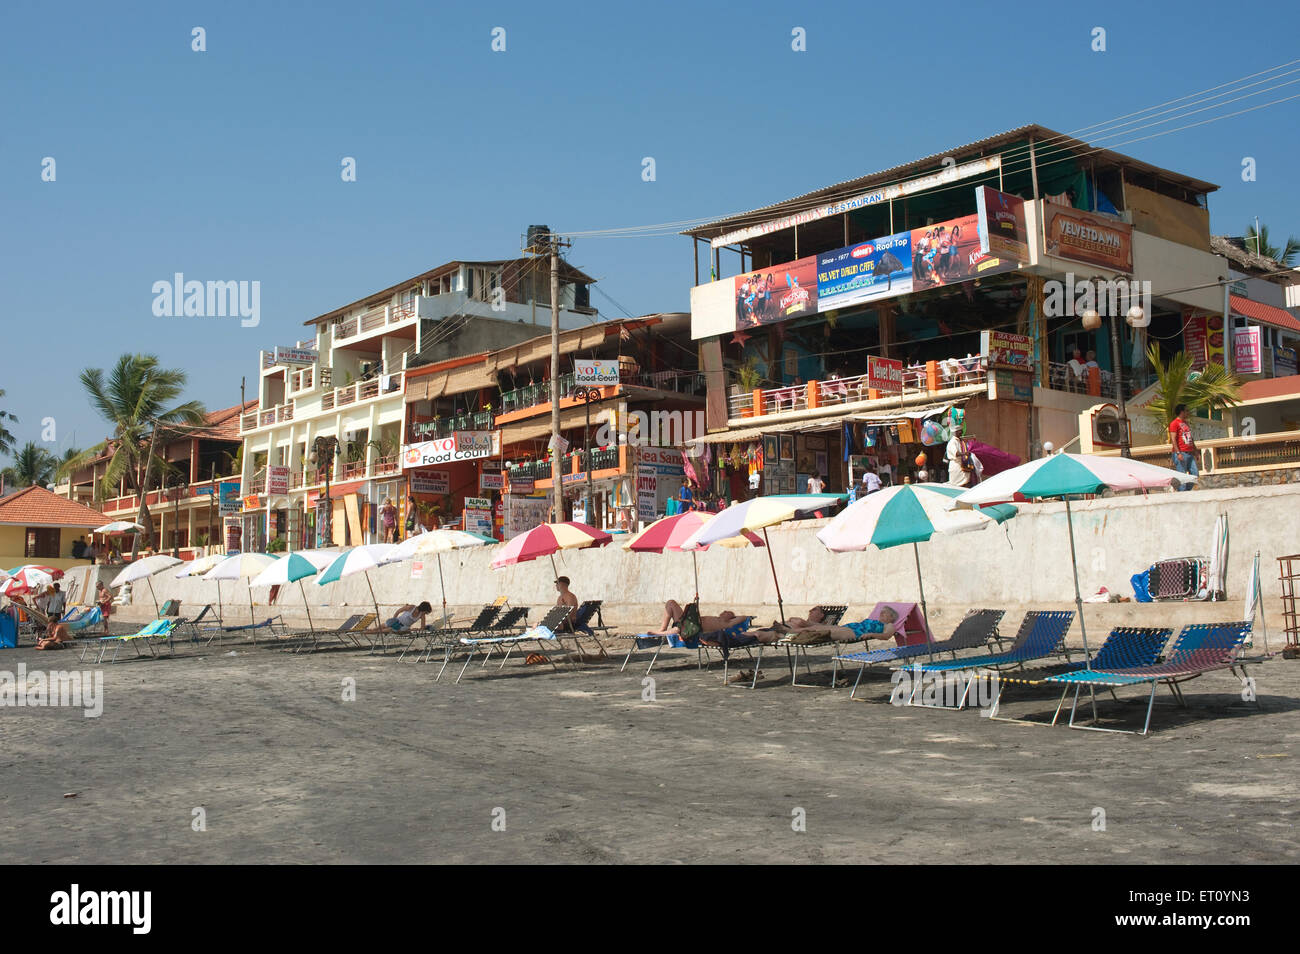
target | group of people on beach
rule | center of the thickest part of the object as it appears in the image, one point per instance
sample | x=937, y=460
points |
x=49, y=605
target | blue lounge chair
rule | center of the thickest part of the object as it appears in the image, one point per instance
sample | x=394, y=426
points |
x=1041, y=634
x=1201, y=648
x=159, y=629
x=976, y=630
x=1126, y=647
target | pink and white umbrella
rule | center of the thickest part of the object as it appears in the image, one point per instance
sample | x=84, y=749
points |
x=29, y=579
x=548, y=539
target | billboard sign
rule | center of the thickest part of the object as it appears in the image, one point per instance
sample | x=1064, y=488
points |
x=885, y=375
x=864, y=272
x=774, y=294
x=1001, y=224
x=228, y=497
x=1001, y=349
x=299, y=357
x=1087, y=237
x=594, y=372
x=1247, y=350
x=444, y=451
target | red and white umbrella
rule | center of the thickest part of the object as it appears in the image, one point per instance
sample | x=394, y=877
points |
x=548, y=539
x=29, y=579
x=672, y=535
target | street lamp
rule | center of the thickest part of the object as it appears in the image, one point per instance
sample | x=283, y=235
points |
x=1136, y=318
x=586, y=395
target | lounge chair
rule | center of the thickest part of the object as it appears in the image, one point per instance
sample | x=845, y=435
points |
x=206, y=616
x=469, y=641
x=799, y=642
x=1041, y=634
x=1127, y=647
x=582, y=621
x=160, y=629
x=548, y=630
x=1201, y=648
x=976, y=630
x=301, y=639
x=170, y=608
x=429, y=631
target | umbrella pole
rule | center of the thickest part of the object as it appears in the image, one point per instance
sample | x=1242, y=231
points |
x=219, y=608
x=925, y=613
x=442, y=585
x=310, y=624
x=252, y=617
x=1078, y=599
x=780, y=604
x=554, y=571
x=696, y=563
x=156, y=610
x=378, y=621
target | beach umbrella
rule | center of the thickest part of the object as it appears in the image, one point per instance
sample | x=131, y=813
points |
x=360, y=559
x=546, y=540
x=1067, y=476
x=294, y=568
x=241, y=566
x=200, y=566
x=435, y=543
x=28, y=579
x=144, y=570
x=759, y=514
x=671, y=534
x=908, y=513
x=118, y=526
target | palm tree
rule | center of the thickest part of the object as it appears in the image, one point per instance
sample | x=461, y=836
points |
x=1258, y=243
x=67, y=462
x=137, y=398
x=33, y=464
x=7, y=443
x=1210, y=389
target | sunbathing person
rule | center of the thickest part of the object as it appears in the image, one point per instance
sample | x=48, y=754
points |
x=884, y=628
x=55, y=635
x=407, y=616
x=708, y=624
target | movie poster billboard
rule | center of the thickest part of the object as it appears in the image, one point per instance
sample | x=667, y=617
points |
x=864, y=272
x=1002, y=229
x=769, y=295
x=949, y=252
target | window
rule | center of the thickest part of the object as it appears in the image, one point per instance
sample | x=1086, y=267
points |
x=42, y=543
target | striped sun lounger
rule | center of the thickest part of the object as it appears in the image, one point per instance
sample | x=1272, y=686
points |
x=1199, y=649
x=1041, y=634
x=159, y=629
x=548, y=630
x=975, y=631
x=1127, y=647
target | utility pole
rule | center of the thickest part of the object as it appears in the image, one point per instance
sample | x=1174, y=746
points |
x=541, y=240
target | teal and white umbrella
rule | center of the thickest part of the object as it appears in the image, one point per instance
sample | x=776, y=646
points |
x=241, y=566
x=361, y=559
x=435, y=543
x=1067, y=476
x=294, y=568
x=909, y=513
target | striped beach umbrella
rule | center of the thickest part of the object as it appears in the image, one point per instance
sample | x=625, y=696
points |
x=909, y=513
x=671, y=535
x=198, y=567
x=294, y=568
x=144, y=570
x=435, y=543
x=241, y=566
x=548, y=539
x=1071, y=475
x=759, y=514
x=360, y=559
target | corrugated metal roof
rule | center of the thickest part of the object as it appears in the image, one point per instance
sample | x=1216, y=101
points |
x=860, y=183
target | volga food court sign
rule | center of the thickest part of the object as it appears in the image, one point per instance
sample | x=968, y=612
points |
x=443, y=451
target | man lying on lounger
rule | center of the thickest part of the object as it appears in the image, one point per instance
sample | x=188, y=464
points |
x=884, y=628
x=407, y=616
x=709, y=624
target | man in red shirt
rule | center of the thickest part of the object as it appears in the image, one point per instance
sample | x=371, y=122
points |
x=1184, y=446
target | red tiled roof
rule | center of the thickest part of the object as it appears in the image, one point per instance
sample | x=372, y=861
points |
x=1268, y=314
x=221, y=425
x=37, y=507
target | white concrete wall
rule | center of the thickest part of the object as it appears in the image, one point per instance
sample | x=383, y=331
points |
x=1023, y=563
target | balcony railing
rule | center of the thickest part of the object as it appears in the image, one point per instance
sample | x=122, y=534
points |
x=267, y=417
x=385, y=465
x=372, y=387
x=953, y=373
x=1061, y=378
x=1231, y=454
x=374, y=319
x=533, y=470
x=446, y=426
x=601, y=459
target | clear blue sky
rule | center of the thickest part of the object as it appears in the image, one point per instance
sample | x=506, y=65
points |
x=225, y=164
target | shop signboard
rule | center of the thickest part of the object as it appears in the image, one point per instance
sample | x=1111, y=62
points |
x=595, y=372
x=431, y=482
x=228, y=497
x=474, y=443
x=885, y=375
x=299, y=357
x=881, y=268
x=277, y=480
x=1087, y=237
x=1247, y=350
x=478, y=503
x=1284, y=362
x=478, y=519
x=1002, y=349
x=522, y=485
x=444, y=451
x=489, y=481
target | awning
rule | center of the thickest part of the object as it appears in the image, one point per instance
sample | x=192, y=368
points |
x=824, y=423
x=340, y=490
x=456, y=381
x=536, y=428
x=1264, y=314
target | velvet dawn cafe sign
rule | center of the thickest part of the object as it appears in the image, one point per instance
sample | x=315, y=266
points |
x=443, y=451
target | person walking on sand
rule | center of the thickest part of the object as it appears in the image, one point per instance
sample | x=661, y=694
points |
x=1184, y=445
x=388, y=519
x=104, y=600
